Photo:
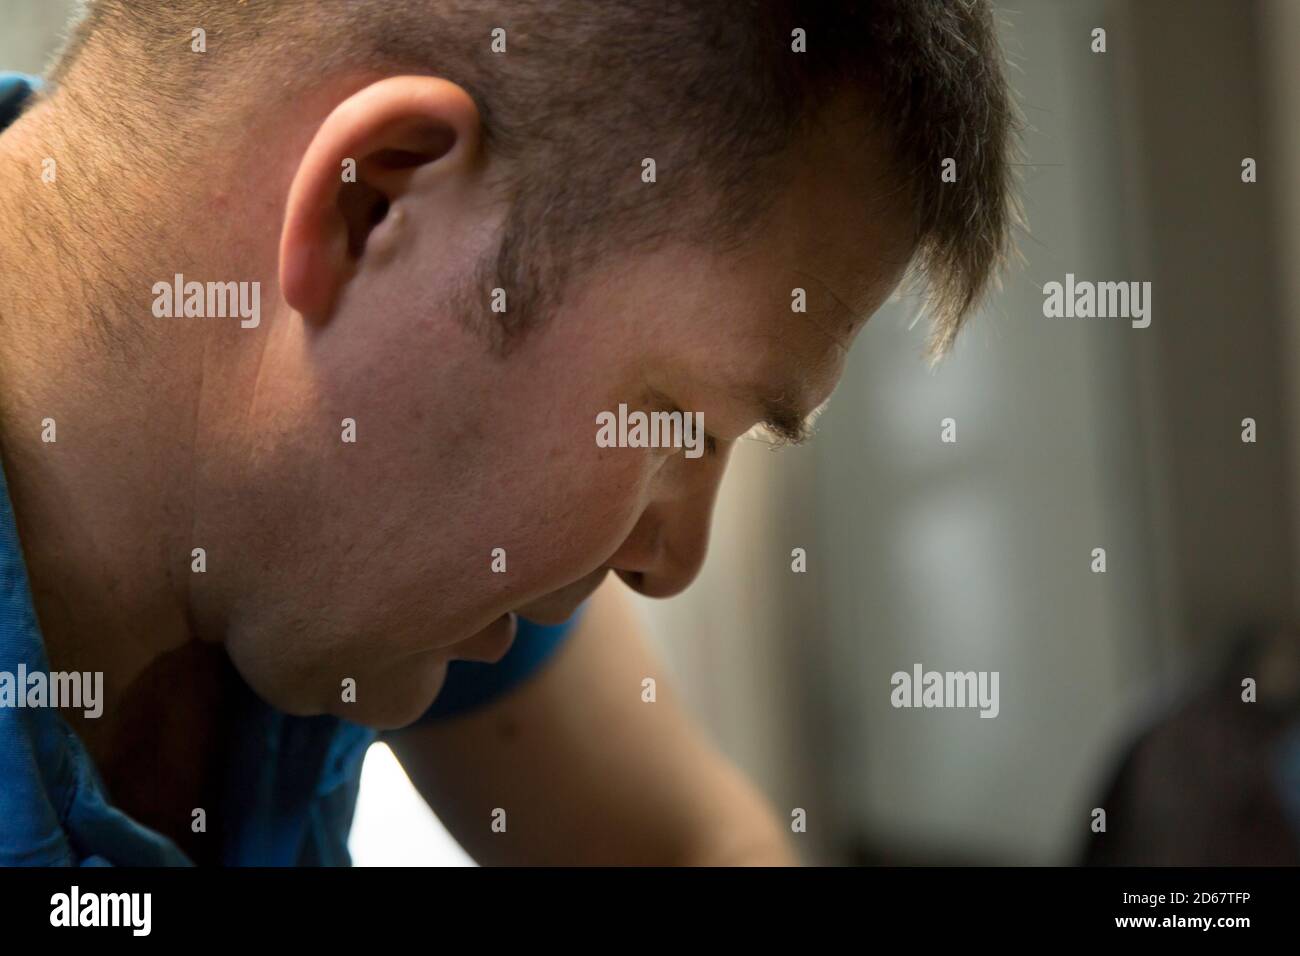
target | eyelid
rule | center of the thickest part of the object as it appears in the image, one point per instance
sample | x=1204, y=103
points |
x=711, y=443
x=660, y=397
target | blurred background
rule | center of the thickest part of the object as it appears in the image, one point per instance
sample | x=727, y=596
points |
x=1120, y=690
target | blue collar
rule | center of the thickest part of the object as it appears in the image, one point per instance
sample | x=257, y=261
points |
x=53, y=811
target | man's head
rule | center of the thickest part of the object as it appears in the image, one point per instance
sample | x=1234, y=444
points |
x=795, y=146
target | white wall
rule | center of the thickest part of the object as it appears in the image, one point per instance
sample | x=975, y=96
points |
x=29, y=31
x=967, y=557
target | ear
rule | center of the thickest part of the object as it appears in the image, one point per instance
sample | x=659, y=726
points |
x=399, y=132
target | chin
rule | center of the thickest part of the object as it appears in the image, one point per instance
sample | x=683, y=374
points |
x=395, y=701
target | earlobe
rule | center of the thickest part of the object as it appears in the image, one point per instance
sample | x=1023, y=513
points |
x=358, y=171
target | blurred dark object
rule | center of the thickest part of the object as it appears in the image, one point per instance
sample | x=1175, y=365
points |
x=873, y=851
x=1215, y=781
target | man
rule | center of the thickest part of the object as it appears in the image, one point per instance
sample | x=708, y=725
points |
x=309, y=311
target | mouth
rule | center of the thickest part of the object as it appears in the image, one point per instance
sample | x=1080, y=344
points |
x=558, y=606
x=492, y=643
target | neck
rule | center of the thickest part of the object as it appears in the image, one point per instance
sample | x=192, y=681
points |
x=104, y=509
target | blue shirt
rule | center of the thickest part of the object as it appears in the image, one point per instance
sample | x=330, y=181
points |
x=290, y=782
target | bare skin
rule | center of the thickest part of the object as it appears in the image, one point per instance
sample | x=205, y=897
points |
x=370, y=561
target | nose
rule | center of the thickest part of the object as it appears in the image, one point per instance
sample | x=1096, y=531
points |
x=666, y=548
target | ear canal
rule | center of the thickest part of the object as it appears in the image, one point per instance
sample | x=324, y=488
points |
x=364, y=204
x=363, y=207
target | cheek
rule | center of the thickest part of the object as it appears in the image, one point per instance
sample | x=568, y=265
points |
x=618, y=491
x=583, y=509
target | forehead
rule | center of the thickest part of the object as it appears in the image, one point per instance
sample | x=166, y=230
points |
x=768, y=322
x=843, y=220
x=835, y=243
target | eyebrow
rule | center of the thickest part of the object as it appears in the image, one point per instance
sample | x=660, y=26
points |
x=783, y=417
x=780, y=415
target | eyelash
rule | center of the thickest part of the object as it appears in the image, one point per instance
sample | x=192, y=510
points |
x=710, y=443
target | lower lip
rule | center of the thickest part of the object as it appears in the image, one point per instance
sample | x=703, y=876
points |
x=504, y=630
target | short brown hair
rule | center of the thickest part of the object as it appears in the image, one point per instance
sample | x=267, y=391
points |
x=711, y=88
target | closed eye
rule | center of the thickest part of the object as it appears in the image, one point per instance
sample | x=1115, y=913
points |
x=710, y=443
